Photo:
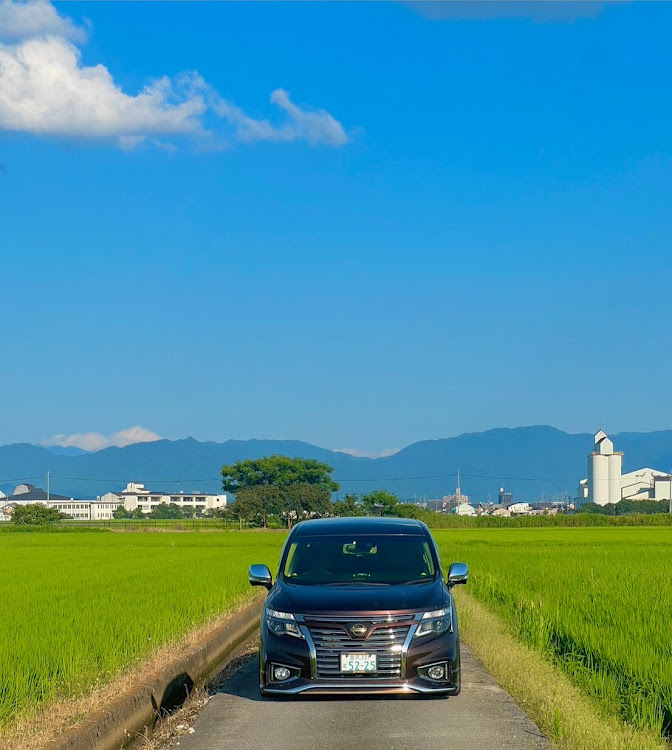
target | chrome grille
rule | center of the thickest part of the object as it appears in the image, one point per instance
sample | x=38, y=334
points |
x=385, y=639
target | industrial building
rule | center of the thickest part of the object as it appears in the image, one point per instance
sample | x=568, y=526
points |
x=607, y=484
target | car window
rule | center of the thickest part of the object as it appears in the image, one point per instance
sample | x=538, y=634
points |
x=364, y=558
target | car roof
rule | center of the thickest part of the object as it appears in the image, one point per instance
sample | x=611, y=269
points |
x=368, y=525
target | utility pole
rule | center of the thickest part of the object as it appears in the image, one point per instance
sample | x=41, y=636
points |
x=47, y=489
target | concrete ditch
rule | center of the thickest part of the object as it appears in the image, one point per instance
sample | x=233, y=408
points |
x=134, y=713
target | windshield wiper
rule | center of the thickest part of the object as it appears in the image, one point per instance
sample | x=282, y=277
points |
x=356, y=583
x=413, y=581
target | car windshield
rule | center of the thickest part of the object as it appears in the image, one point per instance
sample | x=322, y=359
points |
x=364, y=559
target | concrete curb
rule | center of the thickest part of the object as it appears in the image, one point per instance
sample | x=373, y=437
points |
x=123, y=719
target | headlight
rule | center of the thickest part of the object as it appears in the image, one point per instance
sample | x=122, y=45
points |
x=437, y=622
x=282, y=623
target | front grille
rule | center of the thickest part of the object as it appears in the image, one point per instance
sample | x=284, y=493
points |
x=385, y=639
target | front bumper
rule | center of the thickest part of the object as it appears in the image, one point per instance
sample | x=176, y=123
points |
x=301, y=656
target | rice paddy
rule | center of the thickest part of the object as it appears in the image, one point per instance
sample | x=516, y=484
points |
x=79, y=609
x=597, y=602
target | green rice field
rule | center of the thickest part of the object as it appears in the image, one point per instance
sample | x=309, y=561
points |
x=79, y=608
x=597, y=601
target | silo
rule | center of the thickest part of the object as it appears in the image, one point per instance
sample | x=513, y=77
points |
x=615, y=471
x=598, y=470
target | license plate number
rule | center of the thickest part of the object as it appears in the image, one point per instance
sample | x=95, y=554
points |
x=358, y=663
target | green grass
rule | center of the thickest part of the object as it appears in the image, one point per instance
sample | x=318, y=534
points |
x=596, y=601
x=77, y=609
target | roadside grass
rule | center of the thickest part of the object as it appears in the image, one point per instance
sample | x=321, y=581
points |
x=594, y=602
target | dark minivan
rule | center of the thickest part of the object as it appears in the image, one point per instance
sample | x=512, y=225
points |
x=359, y=606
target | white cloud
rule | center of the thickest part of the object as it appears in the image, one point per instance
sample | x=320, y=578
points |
x=45, y=90
x=95, y=441
x=368, y=454
x=316, y=127
x=20, y=20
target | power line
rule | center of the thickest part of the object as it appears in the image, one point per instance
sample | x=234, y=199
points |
x=22, y=479
x=401, y=479
x=341, y=480
x=521, y=479
x=153, y=481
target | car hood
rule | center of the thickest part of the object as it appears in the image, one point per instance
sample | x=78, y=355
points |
x=356, y=599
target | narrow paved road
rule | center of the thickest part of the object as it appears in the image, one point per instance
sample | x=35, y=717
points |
x=483, y=717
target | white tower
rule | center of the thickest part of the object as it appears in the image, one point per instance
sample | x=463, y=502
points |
x=604, y=472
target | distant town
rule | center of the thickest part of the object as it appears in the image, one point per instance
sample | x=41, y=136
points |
x=605, y=485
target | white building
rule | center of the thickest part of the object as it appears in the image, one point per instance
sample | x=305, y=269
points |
x=464, y=509
x=662, y=487
x=80, y=510
x=606, y=482
x=502, y=512
x=87, y=510
x=519, y=509
x=137, y=496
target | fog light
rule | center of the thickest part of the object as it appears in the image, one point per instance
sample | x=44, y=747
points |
x=437, y=672
x=281, y=673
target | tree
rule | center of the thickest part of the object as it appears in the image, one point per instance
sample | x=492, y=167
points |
x=121, y=513
x=291, y=488
x=305, y=500
x=257, y=503
x=593, y=508
x=408, y=510
x=36, y=514
x=349, y=506
x=166, y=510
x=188, y=512
x=278, y=471
x=380, y=503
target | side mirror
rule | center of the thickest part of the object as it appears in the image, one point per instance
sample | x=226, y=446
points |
x=260, y=575
x=458, y=573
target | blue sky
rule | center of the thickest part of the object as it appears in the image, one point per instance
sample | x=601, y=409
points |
x=457, y=218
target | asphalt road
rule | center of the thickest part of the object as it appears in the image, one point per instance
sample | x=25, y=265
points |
x=482, y=717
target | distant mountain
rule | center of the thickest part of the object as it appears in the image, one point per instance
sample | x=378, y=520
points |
x=528, y=461
x=66, y=450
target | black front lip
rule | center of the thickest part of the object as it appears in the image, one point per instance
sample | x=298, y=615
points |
x=361, y=687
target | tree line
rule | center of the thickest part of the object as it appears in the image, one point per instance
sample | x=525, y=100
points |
x=162, y=511
x=627, y=507
x=280, y=488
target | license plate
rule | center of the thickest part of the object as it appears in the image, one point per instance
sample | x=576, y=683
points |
x=358, y=663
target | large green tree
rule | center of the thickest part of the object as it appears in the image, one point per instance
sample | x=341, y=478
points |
x=290, y=488
x=278, y=471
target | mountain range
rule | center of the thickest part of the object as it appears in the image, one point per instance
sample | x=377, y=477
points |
x=531, y=462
